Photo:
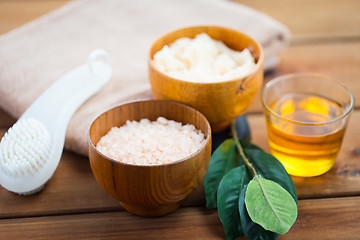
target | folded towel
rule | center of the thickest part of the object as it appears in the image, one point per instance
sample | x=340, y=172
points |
x=35, y=55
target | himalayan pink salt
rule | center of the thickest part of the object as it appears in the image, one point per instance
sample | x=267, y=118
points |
x=151, y=142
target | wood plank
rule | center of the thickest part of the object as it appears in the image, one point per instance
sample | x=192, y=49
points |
x=308, y=20
x=339, y=61
x=80, y=209
x=6, y=120
x=73, y=188
x=317, y=219
x=335, y=218
x=13, y=14
x=342, y=180
x=322, y=19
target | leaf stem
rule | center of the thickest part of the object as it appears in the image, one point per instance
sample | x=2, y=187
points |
x=240, y=149
x=252, y=169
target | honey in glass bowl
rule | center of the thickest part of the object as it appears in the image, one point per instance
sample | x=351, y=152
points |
x=305, y=122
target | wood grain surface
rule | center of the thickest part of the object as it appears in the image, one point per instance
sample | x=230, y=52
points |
x=15, y=13
x=318, y=219
x=325, y=39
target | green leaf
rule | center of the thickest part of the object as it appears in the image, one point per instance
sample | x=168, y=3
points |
x=270, y=205
x=250, y=229
x=224, y=158
x=248, y=145
x=228, y=198
x=269, y=167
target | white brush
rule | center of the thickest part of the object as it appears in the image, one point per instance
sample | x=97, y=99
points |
x=31, y=149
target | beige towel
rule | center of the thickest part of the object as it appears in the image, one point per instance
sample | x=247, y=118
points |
x=33, y=56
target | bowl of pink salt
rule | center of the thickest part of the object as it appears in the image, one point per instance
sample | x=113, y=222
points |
x=150, y=154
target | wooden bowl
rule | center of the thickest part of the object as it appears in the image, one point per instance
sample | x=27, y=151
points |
x=149, y=190
x=220, y=102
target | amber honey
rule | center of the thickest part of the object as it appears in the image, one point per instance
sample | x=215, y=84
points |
x=304, y=134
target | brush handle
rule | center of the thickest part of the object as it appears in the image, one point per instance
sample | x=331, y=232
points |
x=54, y=108
x=58, y=103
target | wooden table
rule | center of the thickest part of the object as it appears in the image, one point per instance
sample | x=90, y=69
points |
x=326, y=39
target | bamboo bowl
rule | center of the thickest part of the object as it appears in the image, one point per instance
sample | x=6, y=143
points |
x=149, y=190
x=220, y=102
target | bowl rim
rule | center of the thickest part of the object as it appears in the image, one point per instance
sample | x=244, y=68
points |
x=258, y=64
x=203, y=145
x=309, y=75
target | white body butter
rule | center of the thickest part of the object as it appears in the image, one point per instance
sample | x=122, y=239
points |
x=203, y=59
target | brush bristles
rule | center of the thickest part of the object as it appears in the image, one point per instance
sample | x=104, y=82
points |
x=25, y=148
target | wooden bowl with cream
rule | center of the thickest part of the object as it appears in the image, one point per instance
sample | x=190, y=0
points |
x=219, y=101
